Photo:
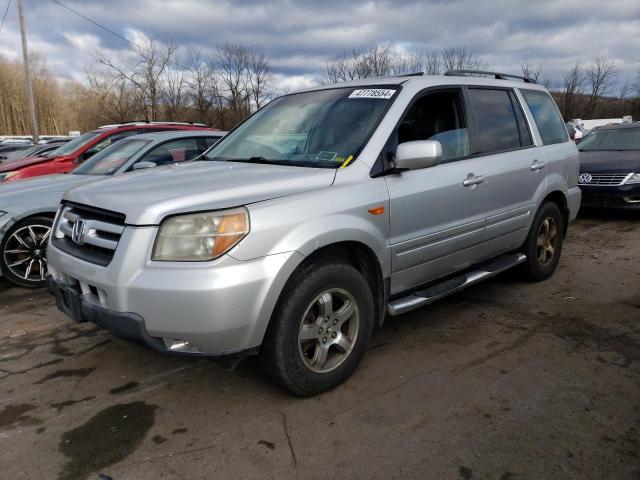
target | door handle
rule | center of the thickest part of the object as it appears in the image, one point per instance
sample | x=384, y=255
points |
x=537, y=165
x=472, y=180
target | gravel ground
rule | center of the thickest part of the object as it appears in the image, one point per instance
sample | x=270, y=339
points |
x=506, y=380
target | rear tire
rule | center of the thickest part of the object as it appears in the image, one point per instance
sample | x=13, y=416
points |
x=543, y=246
x=320, y=329
x=23, y=251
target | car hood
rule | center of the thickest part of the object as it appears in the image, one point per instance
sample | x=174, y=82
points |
x=610, y=161
x=147, y=196
x=10, y=165
x=45, y=191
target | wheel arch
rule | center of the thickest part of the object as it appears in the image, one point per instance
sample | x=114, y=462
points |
x=355, y=253
x=560, y=199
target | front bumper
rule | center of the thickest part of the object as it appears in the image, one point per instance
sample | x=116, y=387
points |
x=622, y=196
x=129, y=326
x=216, y=308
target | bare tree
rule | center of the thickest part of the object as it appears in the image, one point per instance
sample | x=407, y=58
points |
x=432, y=65
x=173, y=93
x=145, y=71
x=460, y=58
x=573, y=84
x=233, y=67
x=203, y=89
x=260, y=79
x=530, y=71
x=600, y=77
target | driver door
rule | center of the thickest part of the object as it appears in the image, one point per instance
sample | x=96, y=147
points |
x=438, y=213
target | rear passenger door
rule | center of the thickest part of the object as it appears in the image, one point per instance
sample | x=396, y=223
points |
x=515, y=167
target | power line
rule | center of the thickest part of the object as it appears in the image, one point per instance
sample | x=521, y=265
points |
x=6, y=10
x=106, y=29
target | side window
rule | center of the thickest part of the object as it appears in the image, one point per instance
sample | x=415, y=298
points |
x=173, y=152
x=495, y=120
x=544, y=111
x=211, y=141
x=437, y=116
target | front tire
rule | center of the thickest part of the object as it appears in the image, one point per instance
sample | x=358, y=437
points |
x=544, y=243
x=320, y=329
x=23, y=252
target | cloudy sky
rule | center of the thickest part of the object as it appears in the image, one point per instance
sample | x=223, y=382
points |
x=299, y=37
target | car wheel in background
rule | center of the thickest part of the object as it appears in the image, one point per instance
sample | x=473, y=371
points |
x=23, y=251
x=544, y=243
x=320, y=329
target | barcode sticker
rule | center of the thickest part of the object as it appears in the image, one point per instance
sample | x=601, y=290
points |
x=373, y=93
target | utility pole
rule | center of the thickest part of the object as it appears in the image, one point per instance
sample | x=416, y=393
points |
x=27, y=72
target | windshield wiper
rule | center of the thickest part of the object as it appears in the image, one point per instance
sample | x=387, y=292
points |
x=252, y=160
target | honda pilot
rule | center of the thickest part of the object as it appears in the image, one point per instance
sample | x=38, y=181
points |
x=323, y=213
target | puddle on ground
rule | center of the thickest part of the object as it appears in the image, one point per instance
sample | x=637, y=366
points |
x=13, y=416
x=77, y=372
x=107, y=438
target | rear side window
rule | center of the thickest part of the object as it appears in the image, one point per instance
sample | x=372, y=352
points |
x=495, y=119
x=544, y=111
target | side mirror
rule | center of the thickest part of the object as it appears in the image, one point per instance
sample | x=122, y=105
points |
x=143, y=165
x=418, y=154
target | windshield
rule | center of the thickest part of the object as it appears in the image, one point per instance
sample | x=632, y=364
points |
x=611, y=139
x=107, y=161
x=74, y=144
x=324, y=129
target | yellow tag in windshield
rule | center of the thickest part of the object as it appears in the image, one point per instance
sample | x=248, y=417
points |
x=347, y=161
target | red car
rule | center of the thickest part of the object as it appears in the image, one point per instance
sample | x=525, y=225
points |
x=71, y=154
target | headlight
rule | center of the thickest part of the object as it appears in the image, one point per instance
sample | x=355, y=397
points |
x=198, y=237
x=635, y=178
x=6, y=176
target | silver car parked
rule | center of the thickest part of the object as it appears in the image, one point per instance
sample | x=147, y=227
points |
x=318, y=216
x=27, y=207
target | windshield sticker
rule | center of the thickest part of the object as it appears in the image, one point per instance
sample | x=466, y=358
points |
x=347, y=161
x=382, y=93
x=327, y=156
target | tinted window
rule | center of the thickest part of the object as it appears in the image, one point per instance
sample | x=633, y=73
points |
x=212, y=140
x=495, y=119
x=172, y=152
x=550, y=123
x=437, y=116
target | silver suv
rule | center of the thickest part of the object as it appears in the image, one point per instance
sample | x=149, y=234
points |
x=318, y=216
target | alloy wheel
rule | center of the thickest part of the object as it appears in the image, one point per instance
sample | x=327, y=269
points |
x=328, y=330
x=547, y=239
x=25, y=252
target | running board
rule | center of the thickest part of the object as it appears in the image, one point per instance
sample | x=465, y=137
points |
x=455, y=284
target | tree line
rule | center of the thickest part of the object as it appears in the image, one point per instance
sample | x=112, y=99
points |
x=222, y=87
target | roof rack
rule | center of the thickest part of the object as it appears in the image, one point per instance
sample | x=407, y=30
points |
x=147, y=122
x=496, y=75
x=413, y=74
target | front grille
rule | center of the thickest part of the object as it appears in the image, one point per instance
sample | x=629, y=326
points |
x=88, y=233
x=598, y=200
x=603, y=178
